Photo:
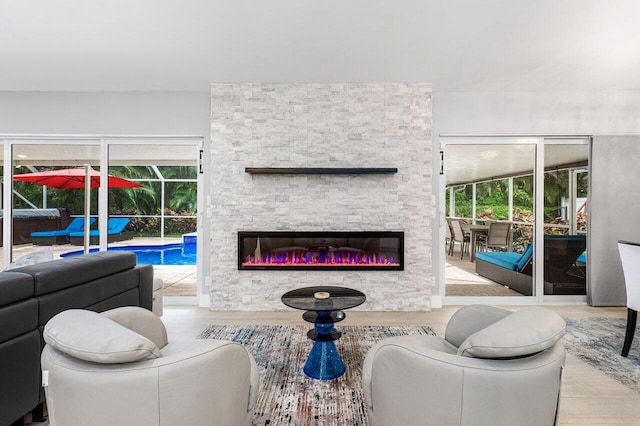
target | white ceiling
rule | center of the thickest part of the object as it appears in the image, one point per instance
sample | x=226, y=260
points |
x=484, y=162
x=458, y=45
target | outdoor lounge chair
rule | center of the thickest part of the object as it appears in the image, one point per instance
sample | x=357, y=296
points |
x=49, y=238
x=515, y=271
x=115, y=232
x=508, y=268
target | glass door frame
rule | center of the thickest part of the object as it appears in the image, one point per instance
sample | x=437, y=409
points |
x=103, y=142
x=538, y=272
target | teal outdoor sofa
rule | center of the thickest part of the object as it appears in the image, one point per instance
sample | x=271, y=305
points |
x=514, y=270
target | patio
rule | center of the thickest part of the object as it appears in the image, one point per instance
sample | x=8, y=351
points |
x=461, y=280
x=179, y=280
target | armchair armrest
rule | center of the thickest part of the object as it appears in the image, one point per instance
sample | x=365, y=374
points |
x=407, y=379
x=421, y=345
x=141, y=321
x=471, y=319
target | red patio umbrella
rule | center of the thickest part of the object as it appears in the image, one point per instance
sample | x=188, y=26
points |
x=73, y=179
x=76, y=178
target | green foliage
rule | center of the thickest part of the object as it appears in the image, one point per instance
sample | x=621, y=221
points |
x=180, y=198
x=176, y=224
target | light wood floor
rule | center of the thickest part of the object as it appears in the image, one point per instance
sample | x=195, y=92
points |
x=588, y=396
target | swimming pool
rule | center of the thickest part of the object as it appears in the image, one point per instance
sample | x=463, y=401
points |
x=167, y=254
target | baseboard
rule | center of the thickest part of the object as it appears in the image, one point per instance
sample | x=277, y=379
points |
x=180, y=300
x=205, y=301
x=436, y=301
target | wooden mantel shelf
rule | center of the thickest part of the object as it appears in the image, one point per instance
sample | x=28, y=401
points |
x=320, y=170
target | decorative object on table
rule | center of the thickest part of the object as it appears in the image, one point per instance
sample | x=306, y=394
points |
x=325, y=306
x=286, y=394
x=321, y=295
x=493, y=367
x=630, y=258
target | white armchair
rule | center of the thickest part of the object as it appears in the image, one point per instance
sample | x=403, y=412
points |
x=493, y=367
x=118, y=368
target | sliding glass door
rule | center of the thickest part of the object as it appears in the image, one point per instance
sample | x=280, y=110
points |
x=532, y=188
x=490, y=200
x=565, y=216
x=142, y=190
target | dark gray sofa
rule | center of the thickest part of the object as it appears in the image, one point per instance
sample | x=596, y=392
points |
x=31, y=295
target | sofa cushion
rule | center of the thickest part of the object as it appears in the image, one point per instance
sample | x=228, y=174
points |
x=507, y=260
x=89, y=336
x=525, y=332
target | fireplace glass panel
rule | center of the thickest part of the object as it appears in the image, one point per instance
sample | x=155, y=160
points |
x=321, y=250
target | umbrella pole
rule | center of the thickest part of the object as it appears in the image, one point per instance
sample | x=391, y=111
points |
x=87, y=206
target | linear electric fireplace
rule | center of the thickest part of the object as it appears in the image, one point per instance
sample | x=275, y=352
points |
x=356, y=251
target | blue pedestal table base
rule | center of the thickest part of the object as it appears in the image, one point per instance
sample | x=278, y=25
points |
x=324, y=362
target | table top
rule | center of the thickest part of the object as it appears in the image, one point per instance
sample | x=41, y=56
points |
x=340, y=298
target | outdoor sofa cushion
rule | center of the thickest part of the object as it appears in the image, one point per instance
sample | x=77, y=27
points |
x=508, y=260
x=114, y=226
x=76, y=225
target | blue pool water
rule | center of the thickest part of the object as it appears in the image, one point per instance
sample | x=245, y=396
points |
x=167, y=254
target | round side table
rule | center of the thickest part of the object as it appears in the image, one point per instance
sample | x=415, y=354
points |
x=323, y=362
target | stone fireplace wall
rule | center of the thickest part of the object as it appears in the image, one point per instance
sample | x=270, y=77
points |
x=321, y=125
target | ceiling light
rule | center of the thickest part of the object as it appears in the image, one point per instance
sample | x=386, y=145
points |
x=525, y=148
x=488, y=155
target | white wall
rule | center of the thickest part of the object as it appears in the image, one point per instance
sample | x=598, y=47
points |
x=151, y=113
x=536, y=112
x=570, y=112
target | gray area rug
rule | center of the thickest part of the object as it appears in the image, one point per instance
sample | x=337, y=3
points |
x=598, y=342
x=287, y=395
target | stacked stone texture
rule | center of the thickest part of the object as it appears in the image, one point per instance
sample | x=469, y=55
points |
x=321, y=125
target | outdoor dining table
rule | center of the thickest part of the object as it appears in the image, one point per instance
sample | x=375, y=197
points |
x=475, y=230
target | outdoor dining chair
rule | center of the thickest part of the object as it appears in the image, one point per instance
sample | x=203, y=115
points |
x=497, y=237
x=447, y=241
x=459, y=237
